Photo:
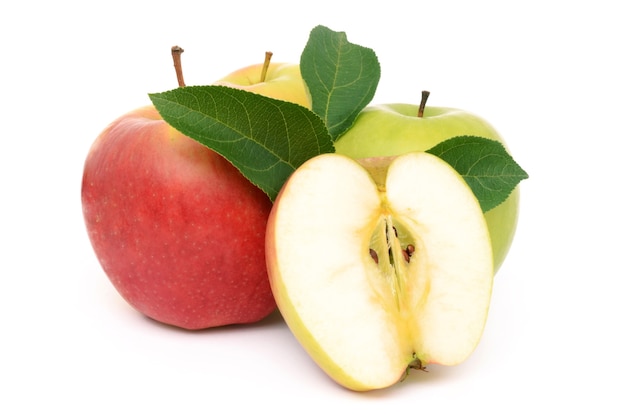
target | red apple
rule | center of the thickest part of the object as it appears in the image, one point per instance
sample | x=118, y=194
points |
x=177, y=229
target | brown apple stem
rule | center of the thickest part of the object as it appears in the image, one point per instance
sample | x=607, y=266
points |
x=266, y=65
x=420, y=112
x=178, y=66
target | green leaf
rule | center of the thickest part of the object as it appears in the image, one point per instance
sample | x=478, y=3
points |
x=485, y=165
x=265, y=138
x=341, y=77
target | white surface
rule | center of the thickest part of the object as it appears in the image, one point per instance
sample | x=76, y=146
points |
x=549, y=77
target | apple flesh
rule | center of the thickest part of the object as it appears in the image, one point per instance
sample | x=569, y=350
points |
x=394, y=129
x=380, y=265
x=281, y=81
x=177, y=229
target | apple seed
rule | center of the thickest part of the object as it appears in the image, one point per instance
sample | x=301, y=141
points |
x=374, y=255
x=410, y=249
x=406, y=255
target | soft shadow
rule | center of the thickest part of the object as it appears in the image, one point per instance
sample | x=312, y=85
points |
x=274, y=319
x=416, y=380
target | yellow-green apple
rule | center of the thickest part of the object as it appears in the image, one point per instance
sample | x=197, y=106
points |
x=275, y=80
x=393, y=129
x=177, y=228
x=380, y=265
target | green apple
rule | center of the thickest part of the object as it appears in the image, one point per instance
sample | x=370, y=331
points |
x=275, y=80
x=394, y=129
x=380, y=265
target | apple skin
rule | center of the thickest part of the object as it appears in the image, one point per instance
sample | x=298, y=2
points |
x=395, y=129
x=283, y=81
x=177, y=229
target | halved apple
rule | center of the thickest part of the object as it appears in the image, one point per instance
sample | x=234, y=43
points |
x=380, y=265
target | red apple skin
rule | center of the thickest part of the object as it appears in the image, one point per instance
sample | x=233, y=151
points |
x=177, y=229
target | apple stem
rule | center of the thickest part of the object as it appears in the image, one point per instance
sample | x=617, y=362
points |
x=176, y=52
x=266, y=65
x=420, y=113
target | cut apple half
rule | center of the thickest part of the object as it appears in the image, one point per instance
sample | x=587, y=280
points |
x=380, y=265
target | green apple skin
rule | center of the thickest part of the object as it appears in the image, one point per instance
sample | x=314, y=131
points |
x=395, y=129
x=282, y=81
x=177, y=229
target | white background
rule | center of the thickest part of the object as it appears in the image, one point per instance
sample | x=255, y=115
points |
x=548, y=74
